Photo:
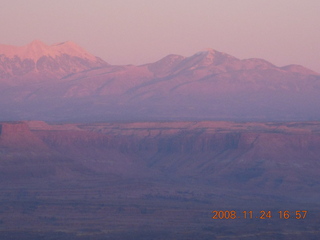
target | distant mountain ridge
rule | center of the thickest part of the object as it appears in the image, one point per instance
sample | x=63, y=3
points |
x=37, y=60
x=37, y=49
x=207, y=85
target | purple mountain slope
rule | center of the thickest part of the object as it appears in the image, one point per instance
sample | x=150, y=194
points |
x=207, y=85
x=38, y=61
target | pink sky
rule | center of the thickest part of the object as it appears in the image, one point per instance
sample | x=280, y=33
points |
x=142, y=31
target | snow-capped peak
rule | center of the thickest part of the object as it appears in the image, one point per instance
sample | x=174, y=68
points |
x=206, y=51
x=36, y=49
x=208, y=56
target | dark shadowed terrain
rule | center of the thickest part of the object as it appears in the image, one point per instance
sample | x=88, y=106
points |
x=158, y=180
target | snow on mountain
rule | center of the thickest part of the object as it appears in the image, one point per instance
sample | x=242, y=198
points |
x=299, y=69
x=37, y=49
x=38, y=61
x=207, y=85
x=167, y=65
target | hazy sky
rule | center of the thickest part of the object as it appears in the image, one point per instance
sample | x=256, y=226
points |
x=142, y=31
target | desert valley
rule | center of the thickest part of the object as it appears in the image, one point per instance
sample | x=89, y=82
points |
x=90, y=150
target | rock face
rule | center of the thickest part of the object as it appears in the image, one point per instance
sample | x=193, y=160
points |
x=13, y=128
x=18, y=137
x=272, y=158
x=207, y=85
x=132, y=175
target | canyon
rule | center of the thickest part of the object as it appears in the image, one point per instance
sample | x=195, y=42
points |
x=91, y=150
x=155, y=179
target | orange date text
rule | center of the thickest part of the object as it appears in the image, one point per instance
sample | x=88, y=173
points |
x=263, y=214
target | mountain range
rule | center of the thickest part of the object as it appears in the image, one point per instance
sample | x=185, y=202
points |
x=131, y=152
x=63, y=82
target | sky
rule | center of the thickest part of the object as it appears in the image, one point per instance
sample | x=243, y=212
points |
x=142, y=31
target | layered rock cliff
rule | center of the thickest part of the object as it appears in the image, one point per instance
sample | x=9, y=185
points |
x=270, y=157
